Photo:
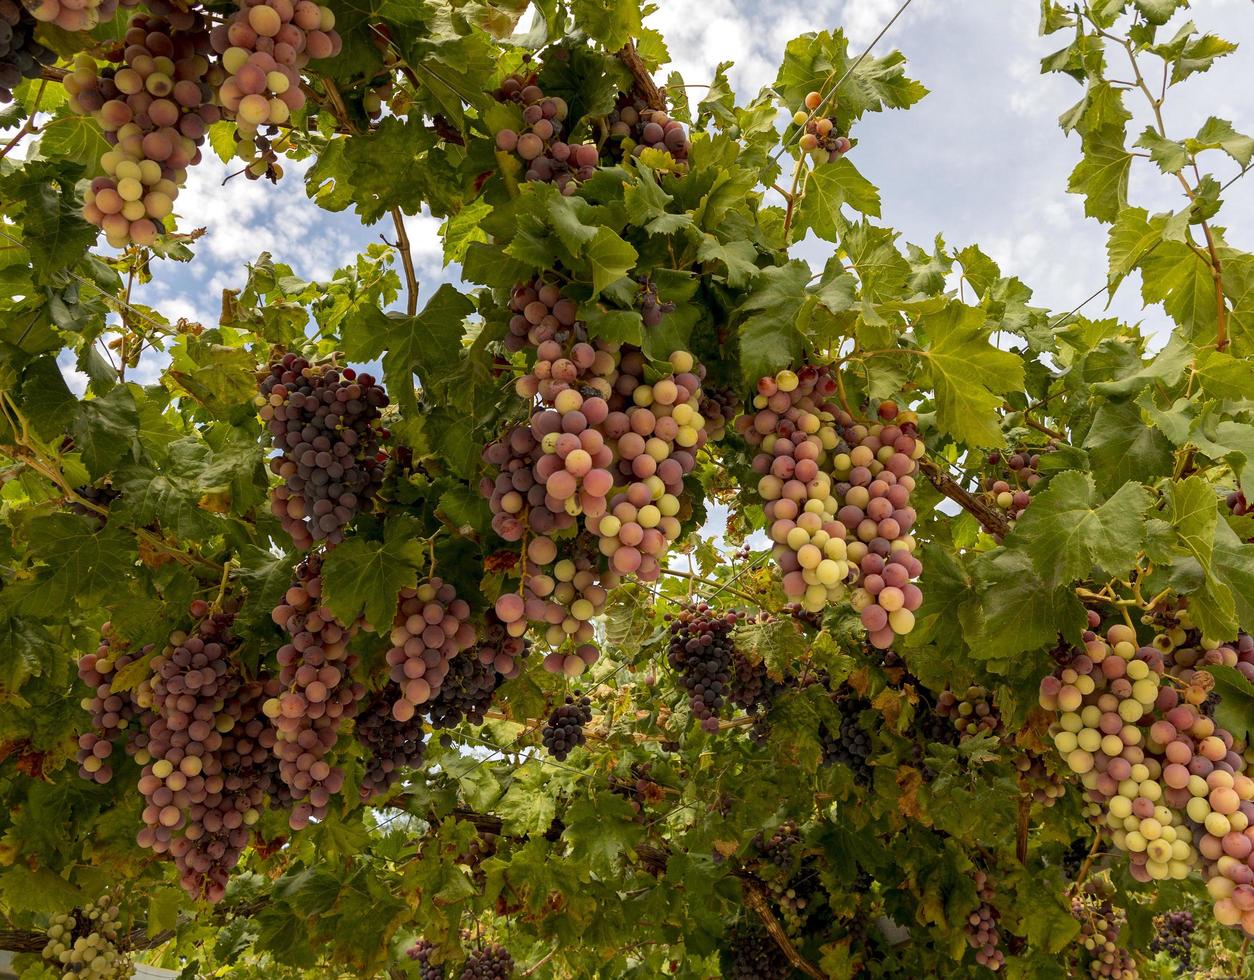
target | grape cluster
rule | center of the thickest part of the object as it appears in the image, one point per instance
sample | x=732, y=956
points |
x=751, y=954
x=111, y=713
x=499, y=649
x=317, y=694
x=702, y=652
x=391, y=746
x=423, y=952
x=652, y=307
x=430, y=628
x=325, y=424
x=792, y=886
x=819, y=137
x=263, y=46
x=493, y=962
x=719, y=407
x=1038, y=780
x=876, y=477
x=207, y=761
x=155, y=109
x=1100, y=926
x=794, y=428
x=972, y=713
x=84, y=944
x=21, y=56
x=851, y=744
x=73, y=16
x=754, y=691
x=1074, y=856
x=983, y=934
x=465, y=692
x=1173, y=935
x=634, y=128
x=545, y=156
x=564, y=732
x=1011, y=492
x=1170, y=784
x=565, y=600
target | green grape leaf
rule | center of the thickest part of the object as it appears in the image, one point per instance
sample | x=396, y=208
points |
x=361, y=578
x=1101, y=176
x=968, y=373
x=827, y=188
x=1123, y=448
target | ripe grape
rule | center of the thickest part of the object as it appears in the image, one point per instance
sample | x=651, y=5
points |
x=564, y=731
x=634, y=127
x=1100, y=928
x=701, y=652
x=1016, y=476
x=263, y=46
x=819, y=135
x=465, y=692
x=112, y=714
x=391, y=745
x=851, y=744
x=719, y=407
x=494, y=962
x=318, y=694
x=971, y=714
x=795, y=428
x=21, y=56
x=652, y=307
x=74, y=16
x=423, y=952
x=155, y=108
x=325, y=424
x=545, y=156
x=430, y=628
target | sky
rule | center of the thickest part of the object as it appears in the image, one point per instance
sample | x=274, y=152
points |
x=980, y=160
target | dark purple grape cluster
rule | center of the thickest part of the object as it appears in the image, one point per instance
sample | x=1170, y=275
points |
x=325, y=424
x=317, y=695
x=652, y=306
x=634, y=128
x=751, y=954
x=546, y=157
x=466, y=691
x=423, y=952
x=1074, y=856
x=112, y=714
x=493, y=962
x=564, y=731
x=851, y=744
x=391, y=746
x=702, y=652
x=972, y=712
x=21, y=56
x=1173, y=935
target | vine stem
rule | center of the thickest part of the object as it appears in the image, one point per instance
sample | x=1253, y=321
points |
x=989, y=517
x=28, y=127
x=1087, y=866
x=407, y=260
x=755, y=901
x=631, y=59
x=539, y=963
x=705, y=581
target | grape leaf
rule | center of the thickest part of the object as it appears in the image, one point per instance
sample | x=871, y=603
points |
x=361, y=578
x=1069, y=529
x=1101, y=176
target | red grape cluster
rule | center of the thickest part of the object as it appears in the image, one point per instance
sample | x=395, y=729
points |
x=1171, y=785
x=1038, y=780
x=875, y=470
x=493, y=962
x=498, y=648
x=431, y=627
x=155, y=109
x=819, y=137
x=702, y=652
x=21, y=56
x=794, y=428
x=634, y=128
x=87, y=943
x=74, y=16
x=317, y=694
x=325, y=424
x=391, y=746
x=538, y=313
x=263, y=46
x=565, y=600
x=983, y=934
x=564, y=731
x=111, y=713
x=720, y=408
x=544, y=155
x=1012, y=491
